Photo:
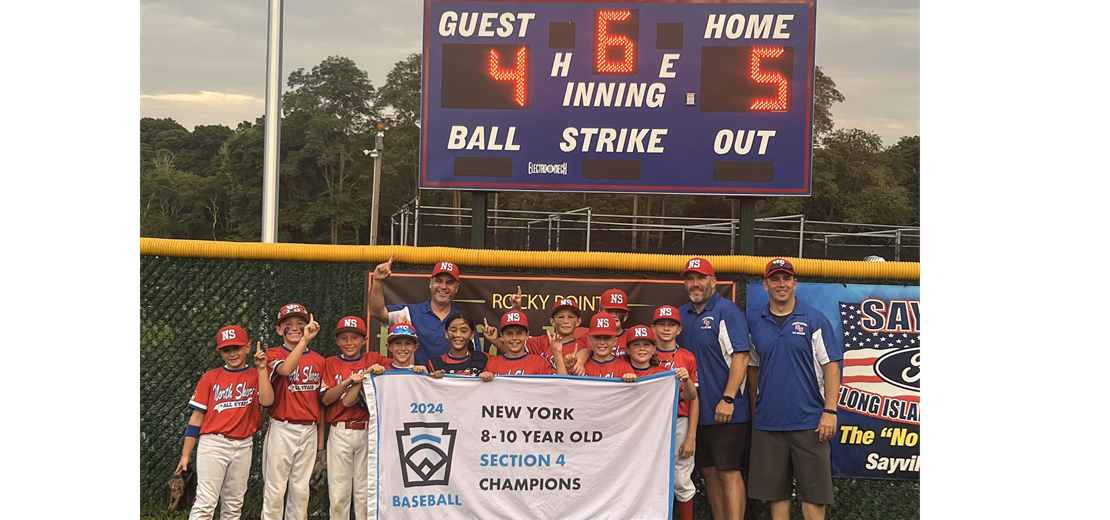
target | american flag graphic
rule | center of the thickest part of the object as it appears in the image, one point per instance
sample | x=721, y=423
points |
x=862, y=348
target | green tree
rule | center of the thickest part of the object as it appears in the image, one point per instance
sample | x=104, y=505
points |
x=330, y=109
x=854, y=183
x=180, y=191
x=399, y=103
x=167, y=198
x=824, y=95
x=904, y=160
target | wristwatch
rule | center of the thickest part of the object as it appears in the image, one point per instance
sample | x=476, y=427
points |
x=829, y=411
x=727, y=399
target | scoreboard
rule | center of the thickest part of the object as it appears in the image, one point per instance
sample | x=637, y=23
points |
x=679, y=97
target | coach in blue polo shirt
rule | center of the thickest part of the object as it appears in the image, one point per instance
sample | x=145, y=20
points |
x=716, y=331
x=795, y=372
x=428, y=317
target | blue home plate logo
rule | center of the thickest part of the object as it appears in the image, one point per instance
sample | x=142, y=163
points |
x=426, y=450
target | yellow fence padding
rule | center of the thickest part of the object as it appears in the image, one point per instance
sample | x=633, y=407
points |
x=570, y=260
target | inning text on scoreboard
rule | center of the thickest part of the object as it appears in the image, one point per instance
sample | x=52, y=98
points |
x=676, y=97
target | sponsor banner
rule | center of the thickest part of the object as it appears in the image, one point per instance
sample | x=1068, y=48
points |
x=489, y=296
x=879, y=408
x=521, y=447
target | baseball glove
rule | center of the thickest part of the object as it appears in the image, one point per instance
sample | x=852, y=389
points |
x=181, y=491
x=319, y=471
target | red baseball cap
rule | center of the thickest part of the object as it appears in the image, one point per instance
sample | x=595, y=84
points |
x=614, y=299
x=352, y=324
x=665, y=312
x=602, y=325
x=446, y=267
x=292, y=309
x=776, y=265
x=566, y=303
x=640, y=332
x=698, y=265
x=402, y=330
x=231, y=336
x=514, y=318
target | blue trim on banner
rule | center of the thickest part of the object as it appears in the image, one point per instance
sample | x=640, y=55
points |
x=378, y=458
x=674, y=433
x=425, y=436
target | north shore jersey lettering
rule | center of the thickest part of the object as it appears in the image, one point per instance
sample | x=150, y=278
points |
x=790, y=358
x=296, y=396
x=229, y=400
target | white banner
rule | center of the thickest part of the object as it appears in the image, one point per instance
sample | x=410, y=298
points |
x=521, y=447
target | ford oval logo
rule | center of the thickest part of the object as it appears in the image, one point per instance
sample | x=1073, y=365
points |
x=901, y=368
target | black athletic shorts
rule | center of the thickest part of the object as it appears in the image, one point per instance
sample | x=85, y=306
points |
x=721, y=446
x=778, y=457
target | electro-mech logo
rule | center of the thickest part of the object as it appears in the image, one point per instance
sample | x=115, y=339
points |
x=425, y=451
x=555, y=169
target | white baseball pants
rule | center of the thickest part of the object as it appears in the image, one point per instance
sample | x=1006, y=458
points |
x=223, y=466
x=287, y=459
x=683, y=467
x=346, y=469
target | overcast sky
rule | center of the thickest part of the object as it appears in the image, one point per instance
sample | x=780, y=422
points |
x=204, y=61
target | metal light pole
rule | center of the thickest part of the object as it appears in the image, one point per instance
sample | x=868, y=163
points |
x=271, y=143
x=376, y=153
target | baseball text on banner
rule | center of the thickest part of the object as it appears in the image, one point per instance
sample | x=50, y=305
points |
x=521, y=447
x=879, y=408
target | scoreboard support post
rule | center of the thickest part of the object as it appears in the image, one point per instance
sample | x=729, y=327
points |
x=746, y=230
x=477, y=220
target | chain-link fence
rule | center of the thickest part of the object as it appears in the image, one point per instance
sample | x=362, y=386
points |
x=184, y=301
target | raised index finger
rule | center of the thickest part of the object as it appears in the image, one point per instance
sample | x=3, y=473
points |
x=391, y=257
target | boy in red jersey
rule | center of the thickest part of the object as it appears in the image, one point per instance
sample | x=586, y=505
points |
x=227, y=411
x=347, y=441
x=613, y=303
x=641, y=356
x=296, y=417
x=515, y=360
x=565, y=319
x=667, y=326
x=602, y=338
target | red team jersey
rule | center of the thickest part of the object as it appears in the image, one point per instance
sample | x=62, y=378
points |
x=528, y=364
x=541, y=346
x=229, y=400
x=616, y=367
x=680, y=357
x=297, y=396
x=337, y=369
